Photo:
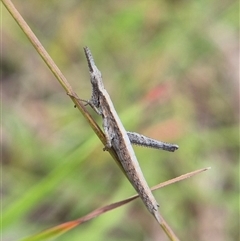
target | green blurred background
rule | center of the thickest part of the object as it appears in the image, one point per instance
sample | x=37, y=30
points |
x=171, y=68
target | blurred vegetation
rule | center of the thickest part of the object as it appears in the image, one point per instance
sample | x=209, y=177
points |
x=171, y=68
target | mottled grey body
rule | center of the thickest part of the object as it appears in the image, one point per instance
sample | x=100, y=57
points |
x=120, y=140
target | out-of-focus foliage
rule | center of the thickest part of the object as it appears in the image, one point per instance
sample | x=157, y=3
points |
x=171, y=68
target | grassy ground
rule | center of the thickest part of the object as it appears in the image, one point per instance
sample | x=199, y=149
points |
x=171, y=68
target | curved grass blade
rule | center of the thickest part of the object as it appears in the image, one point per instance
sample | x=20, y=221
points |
x=63, y=228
